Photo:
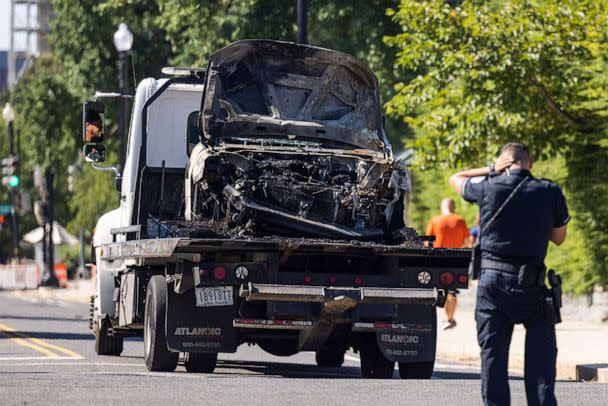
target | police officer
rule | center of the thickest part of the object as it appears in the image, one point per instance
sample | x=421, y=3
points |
x=511, y=287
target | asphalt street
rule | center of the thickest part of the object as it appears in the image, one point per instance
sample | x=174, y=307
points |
x=47, y=358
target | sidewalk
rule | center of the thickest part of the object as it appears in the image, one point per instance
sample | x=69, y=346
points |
x=582, y=346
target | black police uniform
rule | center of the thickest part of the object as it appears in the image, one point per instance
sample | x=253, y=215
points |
x=519, y=235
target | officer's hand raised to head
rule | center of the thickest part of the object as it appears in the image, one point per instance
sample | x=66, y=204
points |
x=503, y=162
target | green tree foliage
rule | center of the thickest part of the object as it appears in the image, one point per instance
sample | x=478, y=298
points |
x=486, y=72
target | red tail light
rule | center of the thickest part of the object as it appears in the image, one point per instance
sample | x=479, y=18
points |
x=308, y=279
x=446, y=278
x=358, y=280
x=219, y=272
x=333, y=280
x=463, y=279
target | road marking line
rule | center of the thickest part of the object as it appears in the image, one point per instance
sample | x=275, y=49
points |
x=33, y=359
x=28, y=344
x=36, y=343
x=66, y=351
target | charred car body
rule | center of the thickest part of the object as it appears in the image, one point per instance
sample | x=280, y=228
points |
x=284, y=227
x=293, y=139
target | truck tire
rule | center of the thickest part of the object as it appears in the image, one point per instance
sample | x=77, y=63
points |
x=416, y=370
x=373, y=363
x=331, y=357
x=277, y=347
x=106, y=344
x=156, y=353
x=203, y=363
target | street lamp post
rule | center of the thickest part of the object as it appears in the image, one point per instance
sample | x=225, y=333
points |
x=302, y=20
x=9, y=116
x=123, y=40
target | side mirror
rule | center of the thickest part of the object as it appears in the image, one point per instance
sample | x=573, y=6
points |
x=94, y=153
x=193, y=135
x=92, y=121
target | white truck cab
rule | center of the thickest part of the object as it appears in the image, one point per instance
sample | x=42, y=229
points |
x=163, y=130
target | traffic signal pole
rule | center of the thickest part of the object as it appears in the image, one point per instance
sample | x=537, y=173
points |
x=14, y=194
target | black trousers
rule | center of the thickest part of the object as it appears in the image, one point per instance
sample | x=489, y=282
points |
x=501, y=305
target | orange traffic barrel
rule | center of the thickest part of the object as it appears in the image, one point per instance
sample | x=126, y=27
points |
x=61, y=273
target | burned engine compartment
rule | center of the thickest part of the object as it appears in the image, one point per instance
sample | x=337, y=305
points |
x=322, y=196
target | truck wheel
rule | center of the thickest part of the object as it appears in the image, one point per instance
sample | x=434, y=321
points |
x=156, y=353
x=204, y=363
x=106, y=344
x=278, y=348
x=373, y=363
x=416, y=370
x=332, y=357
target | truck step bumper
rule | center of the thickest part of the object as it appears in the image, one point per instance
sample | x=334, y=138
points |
x=328, y=295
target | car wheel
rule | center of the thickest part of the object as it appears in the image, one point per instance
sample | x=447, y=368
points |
x=416, y=370
x=106, y=344
x=203, y=363
x=330, y=357
x=156, y=353
x=373, y=363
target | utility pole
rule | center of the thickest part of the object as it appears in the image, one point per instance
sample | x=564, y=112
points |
x=302, y=21
x=49, y=278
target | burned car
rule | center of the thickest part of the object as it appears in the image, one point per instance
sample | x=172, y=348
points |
x=293, y=144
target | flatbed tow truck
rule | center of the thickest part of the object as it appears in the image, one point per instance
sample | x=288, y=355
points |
x=269, y=213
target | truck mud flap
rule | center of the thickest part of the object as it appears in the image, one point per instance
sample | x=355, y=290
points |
x=411, y=339
x=198, y=329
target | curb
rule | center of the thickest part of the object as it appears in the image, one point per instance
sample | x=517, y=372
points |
x=564, y=371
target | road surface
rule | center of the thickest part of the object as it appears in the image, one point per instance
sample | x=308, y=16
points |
x=47, y=358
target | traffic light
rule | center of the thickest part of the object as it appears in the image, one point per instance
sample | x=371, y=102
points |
x=9, y=172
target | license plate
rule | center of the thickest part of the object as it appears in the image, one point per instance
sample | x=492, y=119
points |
x=215, y=296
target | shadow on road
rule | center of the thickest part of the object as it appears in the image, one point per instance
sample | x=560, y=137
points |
x=19, y=317
x=286, y=370
x=53, y=335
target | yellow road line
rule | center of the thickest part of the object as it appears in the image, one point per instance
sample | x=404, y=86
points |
x=64, y=350
x=36, y=343
x=26, y=343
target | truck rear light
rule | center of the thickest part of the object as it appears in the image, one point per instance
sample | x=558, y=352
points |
x=446, y=278
x=463, y=279
x=308, y=279
x=333, y=280
x=358, y=280
x=219, y=272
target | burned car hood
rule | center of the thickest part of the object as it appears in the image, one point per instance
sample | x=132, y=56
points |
x=261, y=90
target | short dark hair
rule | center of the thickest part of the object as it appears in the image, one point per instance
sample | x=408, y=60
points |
x=518, y=151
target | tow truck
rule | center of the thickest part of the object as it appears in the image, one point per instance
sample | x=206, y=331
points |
x=260, y=203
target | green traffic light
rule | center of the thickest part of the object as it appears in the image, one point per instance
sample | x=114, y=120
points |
x=13, y=181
